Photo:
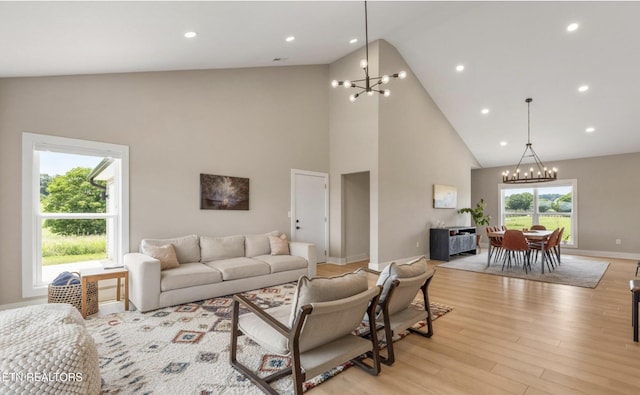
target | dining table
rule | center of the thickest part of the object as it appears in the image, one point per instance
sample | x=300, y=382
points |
x=538, y=237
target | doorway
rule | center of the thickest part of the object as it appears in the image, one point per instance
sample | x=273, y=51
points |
x=356, y=216
x=310, y=209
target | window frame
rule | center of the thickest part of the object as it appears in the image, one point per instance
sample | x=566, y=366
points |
x=573, y=183
x=32, y=218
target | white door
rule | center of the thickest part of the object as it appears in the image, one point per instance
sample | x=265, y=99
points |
x=309, y=209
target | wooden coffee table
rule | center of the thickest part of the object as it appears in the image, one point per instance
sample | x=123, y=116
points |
x=95, y=275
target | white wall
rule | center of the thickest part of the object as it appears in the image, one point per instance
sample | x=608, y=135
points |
x=254, y=123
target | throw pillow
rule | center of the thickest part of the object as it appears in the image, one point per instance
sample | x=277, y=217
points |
x=187, y=248
x=166, y=254
x=279, y=245
x=256, y=245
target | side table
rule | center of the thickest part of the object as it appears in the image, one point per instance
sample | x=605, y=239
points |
x=95, y=275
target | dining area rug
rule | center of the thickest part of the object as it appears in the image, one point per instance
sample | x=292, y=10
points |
x=185, y=349
x=573, y=270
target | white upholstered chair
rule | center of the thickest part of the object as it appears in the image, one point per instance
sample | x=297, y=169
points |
x=315, y=331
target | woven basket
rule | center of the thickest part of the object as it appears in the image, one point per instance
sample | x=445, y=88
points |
x=72, y=294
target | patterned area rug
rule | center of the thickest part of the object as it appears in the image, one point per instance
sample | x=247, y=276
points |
x=185, y=349
x=573, y=270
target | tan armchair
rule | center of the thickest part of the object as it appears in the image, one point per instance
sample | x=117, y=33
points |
x=315, y=331
x=401, y=283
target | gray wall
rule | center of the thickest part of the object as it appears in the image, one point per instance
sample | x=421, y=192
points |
x=418, y=148
x=356, y=216
x=255, y=123
x=407, y=145
x=353, y=137
x=608, y=195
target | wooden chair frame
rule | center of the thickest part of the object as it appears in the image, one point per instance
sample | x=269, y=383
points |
x=388, y=333
x=293, y=335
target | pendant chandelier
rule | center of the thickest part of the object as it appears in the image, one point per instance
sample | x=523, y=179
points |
x=371, y=84
x=537, y=170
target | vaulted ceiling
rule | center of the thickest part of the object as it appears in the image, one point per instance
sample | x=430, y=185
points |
x=509, y=50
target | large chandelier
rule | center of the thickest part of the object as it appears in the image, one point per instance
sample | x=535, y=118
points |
x=371, y=84
x=539, y=173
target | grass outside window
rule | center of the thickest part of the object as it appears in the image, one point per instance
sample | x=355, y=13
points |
x=58, y=249
x=550, y=222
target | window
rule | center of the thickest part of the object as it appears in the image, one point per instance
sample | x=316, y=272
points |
x=552, y=204
x=75, y=207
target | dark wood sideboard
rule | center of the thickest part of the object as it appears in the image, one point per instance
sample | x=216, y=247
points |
x=444, y=242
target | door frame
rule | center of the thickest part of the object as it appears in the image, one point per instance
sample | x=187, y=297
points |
x=292, y=213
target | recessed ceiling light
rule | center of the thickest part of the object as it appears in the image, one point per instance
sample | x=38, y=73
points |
x=485, y=111
x=289, y=39
x=503, y=143
x=572, y=27
x=459, y=67
x=590, y=130
x=583, y=88
x=190, y=34
x=353, y=41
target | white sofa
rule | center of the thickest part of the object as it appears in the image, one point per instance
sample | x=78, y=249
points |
x=213, y=266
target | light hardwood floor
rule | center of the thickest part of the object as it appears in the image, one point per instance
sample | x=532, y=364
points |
x=512, y=336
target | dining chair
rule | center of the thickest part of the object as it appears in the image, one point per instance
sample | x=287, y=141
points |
x=516, y=246
x=496, y=243
x=538, y=227
x=315, y=331
x=548, y=248
x=557, y=246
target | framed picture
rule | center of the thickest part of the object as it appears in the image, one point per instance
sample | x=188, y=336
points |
x=223, y=192
x=444, y=196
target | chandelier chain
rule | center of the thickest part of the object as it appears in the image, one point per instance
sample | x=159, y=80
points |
x=366, y=39
x=538, y=174
x=372, y=85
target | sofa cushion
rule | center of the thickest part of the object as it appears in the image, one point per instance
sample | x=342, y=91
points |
x=279, y=245
x=237, y=268
x=217, y=248
x=166, y=254
x=326, y=289
x=187, y=248
x=283, y=263
x=188, y=275
x=255, y=245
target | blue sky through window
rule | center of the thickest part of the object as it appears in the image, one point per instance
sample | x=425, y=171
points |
x=563, y=190
x=56, y=163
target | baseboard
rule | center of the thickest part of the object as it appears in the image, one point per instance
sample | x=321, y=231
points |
x=603, y=254
x=379, y=266
x=336, y=261
x=358, y=258
x=349, y=259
